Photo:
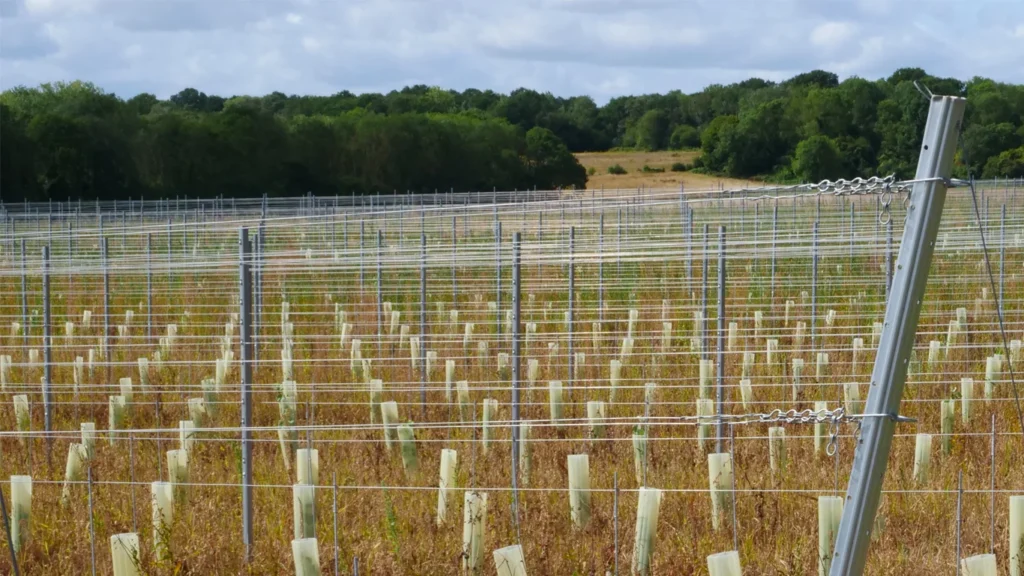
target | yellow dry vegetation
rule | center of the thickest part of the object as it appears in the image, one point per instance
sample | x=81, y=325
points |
x=634, y=161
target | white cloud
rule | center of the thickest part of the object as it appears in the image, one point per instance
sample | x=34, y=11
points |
x=871, y=51
x=599, y=47
x=53, y=7
x=133, y=51
x=38, y=6
x=831, y=34
x=311, y=44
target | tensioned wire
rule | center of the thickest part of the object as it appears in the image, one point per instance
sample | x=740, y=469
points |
x=486, y=255
x=310, y=204
x=433, y=218
x=476, y=488
x=548, y=334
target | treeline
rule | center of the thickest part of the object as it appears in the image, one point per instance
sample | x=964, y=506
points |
x=74, y=140
x=813, y=127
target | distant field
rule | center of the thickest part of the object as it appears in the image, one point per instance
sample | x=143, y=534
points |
x=633, y=162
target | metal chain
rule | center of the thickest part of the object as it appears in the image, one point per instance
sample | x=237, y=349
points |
x=855, y=186
x=886, y=186
x=792, y=416
x=808, y=416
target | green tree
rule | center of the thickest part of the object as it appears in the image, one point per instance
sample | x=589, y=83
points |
x=826, y=111
x=82, y=157
x=550, y=162
x=69, y=98
x=715, y=142
x=650, y=131
x=862, y=98
x=62, y=167
x=17, y=157
x=523, y=107
x=141, y=104
x=1008, y=164
x=683, y=137
x=249, y=150
x=901, y=119
x=190, y=99
x=175, y=153
x=482, y=100
x=195, y=101
x=817, y=158
x=818, y=78
x=273, y=103
x=982, y=142
x=858, y=157
x=991, y=107
x=906, y=75
x=314, y=156
x=438, y=100
x=74, y=139
x=761, y=141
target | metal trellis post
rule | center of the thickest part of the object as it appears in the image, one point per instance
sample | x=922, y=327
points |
x=775, y=241
x=149, y=288
x=47, y=357
x=7, y=529
x=497, y=274
x=24, y=298
x=245, y=319
x=108, y=360
x=901, y=315
x=455, y=255
x=704, y=354
x=1002, y=259
x=853, y=219
x=722, y=328
x=380, y=298
x=423, y=324
x=570, y=319
x=516, y=309
x=814, y=285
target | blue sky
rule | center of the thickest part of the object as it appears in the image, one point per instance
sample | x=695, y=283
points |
x=603, y=48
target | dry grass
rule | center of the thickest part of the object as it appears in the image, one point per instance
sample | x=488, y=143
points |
x=633, y=162
x=390, y=527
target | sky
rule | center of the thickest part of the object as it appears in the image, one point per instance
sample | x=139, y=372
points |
x=602, y=48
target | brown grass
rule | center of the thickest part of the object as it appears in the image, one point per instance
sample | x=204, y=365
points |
x=633, y=162
x=777, y=532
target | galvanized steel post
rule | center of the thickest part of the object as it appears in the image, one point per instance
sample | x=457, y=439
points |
x=149, y=289
x=516, y=351
x=570, y=321
x=245, y=337
x=423, y=322
x=380, y=297
x=47, y=357
x=24, y=299
x=722, y=328
x=107, y=354
x=902, y=312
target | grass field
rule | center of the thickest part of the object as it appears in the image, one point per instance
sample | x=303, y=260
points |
x=634, y=162
x=384, y=514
